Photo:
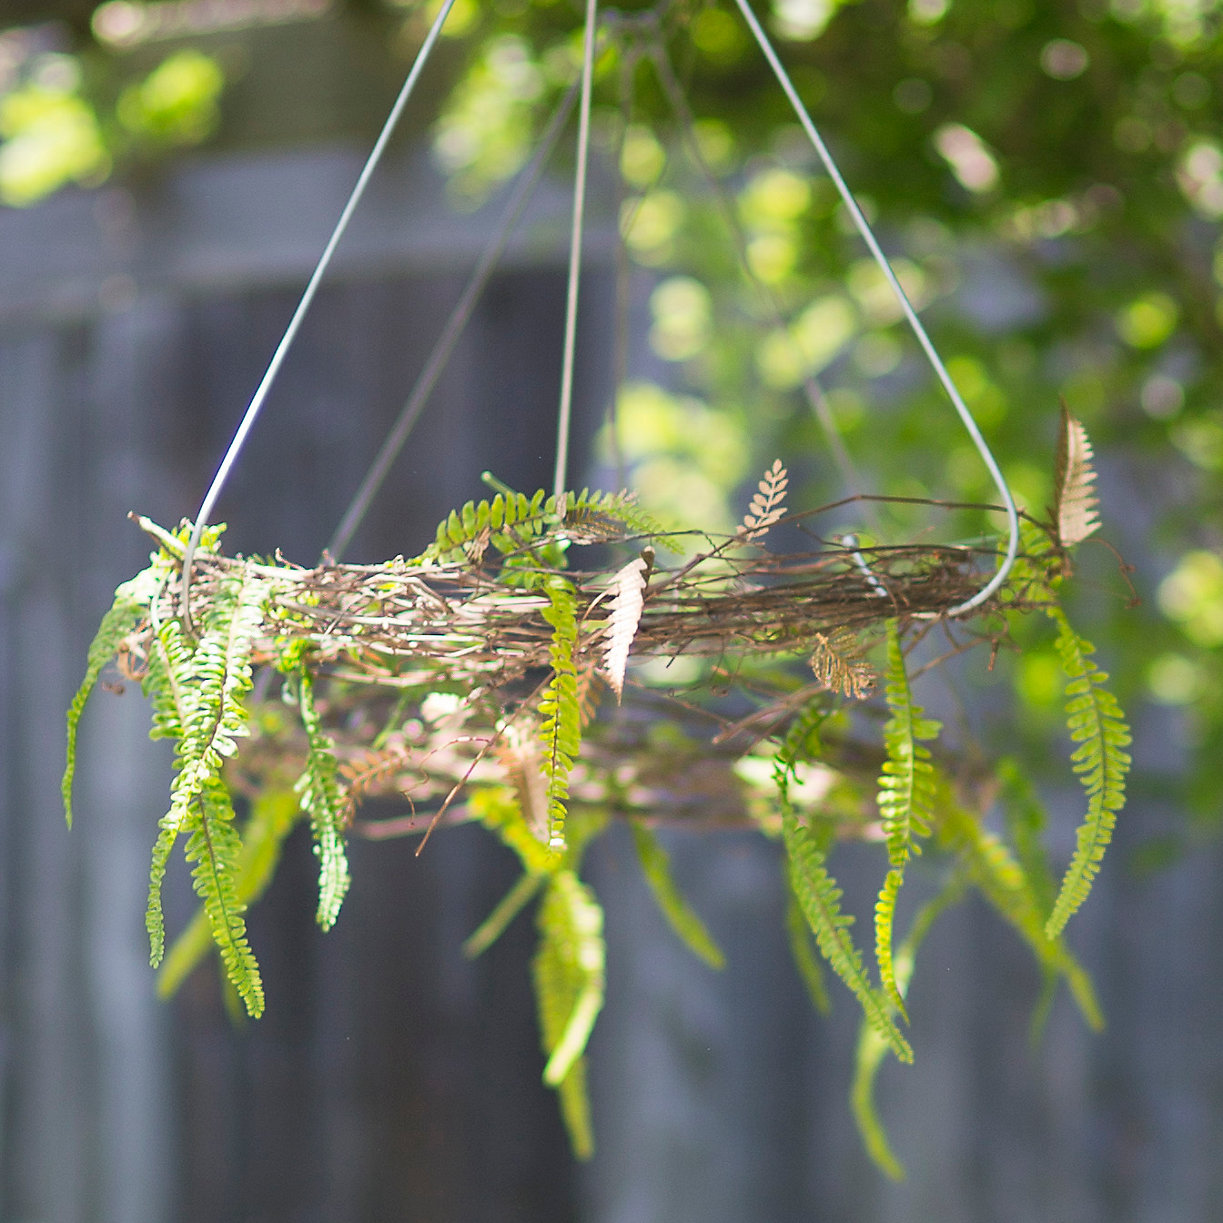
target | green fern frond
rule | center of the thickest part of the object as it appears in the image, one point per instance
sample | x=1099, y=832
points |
x=1026, y=825
x=656, y=867
x=872, y=1047
x=199, y=694
x=1097, y=725
x=906, y=783
x=274, y=814
x=1017, y=898
x=817, y=892
x=596, y=517
x=820, y=899
x=559, y=707
x=885, y=918
x=324, y=800
x=511, y=520
x=122, y=617
x=569, y=976
x=215, y=850
x=154, y=920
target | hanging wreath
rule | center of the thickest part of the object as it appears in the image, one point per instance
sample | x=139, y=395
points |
x=468, y=680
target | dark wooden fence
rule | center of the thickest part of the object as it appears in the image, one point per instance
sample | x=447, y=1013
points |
x=391, y=1079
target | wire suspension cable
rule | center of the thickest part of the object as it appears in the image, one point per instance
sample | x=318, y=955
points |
x=455, y=326
x=261, y=392
x=936, y=362
x=565, y=409
x=813, y=392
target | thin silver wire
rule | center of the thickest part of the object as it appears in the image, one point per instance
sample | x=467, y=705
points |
x=813, y=392
x=565, y=409
x=863, y=227
x=261, y=392
x=527, y=181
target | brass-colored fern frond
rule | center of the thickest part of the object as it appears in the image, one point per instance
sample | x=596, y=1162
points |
x=1075, y=502
x=840, y=665
x=627, y=604
x=768, y=503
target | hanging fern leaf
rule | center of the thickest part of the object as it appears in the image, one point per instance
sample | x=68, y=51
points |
x=885, y=918
x=839, y=664
x=324, y=800
x=816, y=891
x=1098, y=726
x=568, y=972
x=820, y=900
x=511, y=521
x=274, y=814
x=626, y=607
x=906, y=784
x=992, y=869
x=198, y=697
x=656, y=867
x=1074, y=498
x=124, y=614
x=215, y=850
x=500, y=810
x=504, y=912
x=561, y=729
x=872, y=1047
x=805, y=958
x=768, y=504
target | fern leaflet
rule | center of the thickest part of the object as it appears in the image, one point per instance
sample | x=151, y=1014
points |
x=568, y=972
x=123, y=616
x=803, y=951
x=820, y=899
x=504, y=912
x=512, y=520
x=198, y=697
x=323, y=798
x=872, y=1047
x=885, y=918
x=1098, y=726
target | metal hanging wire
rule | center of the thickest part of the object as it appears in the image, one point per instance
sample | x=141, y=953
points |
x=442, y=350
x=261, y=392
x=915, y=324
x=444, y=347
x=565, y=410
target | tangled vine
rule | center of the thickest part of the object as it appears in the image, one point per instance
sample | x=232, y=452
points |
x=468, y=680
